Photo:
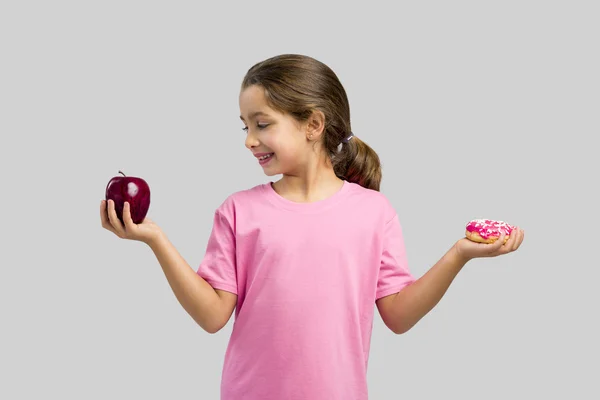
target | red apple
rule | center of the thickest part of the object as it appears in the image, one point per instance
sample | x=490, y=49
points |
x=133, y=190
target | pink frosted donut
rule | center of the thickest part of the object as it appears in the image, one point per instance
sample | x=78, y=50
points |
x=487, y=230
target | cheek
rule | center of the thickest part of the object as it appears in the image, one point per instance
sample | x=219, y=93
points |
x=284, y=143
x=289, y=146
x=291, y=150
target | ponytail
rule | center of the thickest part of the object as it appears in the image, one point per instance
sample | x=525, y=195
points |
x=358, y=163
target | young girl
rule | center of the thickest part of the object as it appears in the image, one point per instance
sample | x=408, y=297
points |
x=304, y=260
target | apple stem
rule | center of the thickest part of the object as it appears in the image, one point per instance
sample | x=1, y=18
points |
x=121, y=173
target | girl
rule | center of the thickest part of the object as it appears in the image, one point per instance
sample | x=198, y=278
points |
x=304, y=260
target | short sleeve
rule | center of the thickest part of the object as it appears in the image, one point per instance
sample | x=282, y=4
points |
x=218, y=267
x=394, y=273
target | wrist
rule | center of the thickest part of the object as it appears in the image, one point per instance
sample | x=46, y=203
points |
x=155, y=239
x=457, y=255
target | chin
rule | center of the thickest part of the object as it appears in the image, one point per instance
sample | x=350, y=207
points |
x=271, y=173
x=272, y=170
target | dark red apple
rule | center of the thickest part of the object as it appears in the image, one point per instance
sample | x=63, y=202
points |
x=133, y=190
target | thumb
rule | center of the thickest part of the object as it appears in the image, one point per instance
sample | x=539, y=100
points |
x=499, y=242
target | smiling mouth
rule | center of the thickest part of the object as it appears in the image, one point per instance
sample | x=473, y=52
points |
x=266, y=156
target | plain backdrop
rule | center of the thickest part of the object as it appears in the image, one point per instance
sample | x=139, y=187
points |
x=477, y=110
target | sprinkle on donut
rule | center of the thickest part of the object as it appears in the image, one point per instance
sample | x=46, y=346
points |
x=487, y=230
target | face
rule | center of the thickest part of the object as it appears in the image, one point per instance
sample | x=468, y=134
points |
x=272, y=134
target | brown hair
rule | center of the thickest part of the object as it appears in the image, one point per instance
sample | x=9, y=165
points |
x=298, y=85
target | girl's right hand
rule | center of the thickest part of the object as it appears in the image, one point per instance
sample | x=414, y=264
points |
x=145, y=232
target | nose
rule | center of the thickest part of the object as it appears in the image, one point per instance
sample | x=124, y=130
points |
x=251, y=140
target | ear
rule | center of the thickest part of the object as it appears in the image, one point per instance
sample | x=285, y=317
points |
x=315, y=125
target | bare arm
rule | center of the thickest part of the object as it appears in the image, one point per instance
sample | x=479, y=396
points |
x=401, y=311
x=210, y=308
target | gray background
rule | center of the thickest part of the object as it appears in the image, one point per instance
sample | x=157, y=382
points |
x=477, y=109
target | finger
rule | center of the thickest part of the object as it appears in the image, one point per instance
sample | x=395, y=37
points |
x=129, y=225
x=507, y=247
x=510, y=243
x=114, y=220
x=514, y=237
x=104, y=217
x=497, y=245
x=520, y=238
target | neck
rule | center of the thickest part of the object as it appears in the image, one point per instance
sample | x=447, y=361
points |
x=312, y=184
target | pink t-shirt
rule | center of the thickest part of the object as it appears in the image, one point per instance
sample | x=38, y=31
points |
x=307, y=276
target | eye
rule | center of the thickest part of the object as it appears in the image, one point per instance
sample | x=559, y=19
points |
x=263, y=126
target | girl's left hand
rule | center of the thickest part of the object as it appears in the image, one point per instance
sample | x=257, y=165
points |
x=468, y=250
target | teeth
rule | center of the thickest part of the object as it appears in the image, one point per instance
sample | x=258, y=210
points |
x=265, y=157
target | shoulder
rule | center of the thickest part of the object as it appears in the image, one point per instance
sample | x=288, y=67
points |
x=371, y=200
x=239, y=199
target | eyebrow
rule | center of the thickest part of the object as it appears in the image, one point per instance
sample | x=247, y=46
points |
x=254, y=114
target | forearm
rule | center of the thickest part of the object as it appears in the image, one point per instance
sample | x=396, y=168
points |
x=414, y=301
x=197, y=296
